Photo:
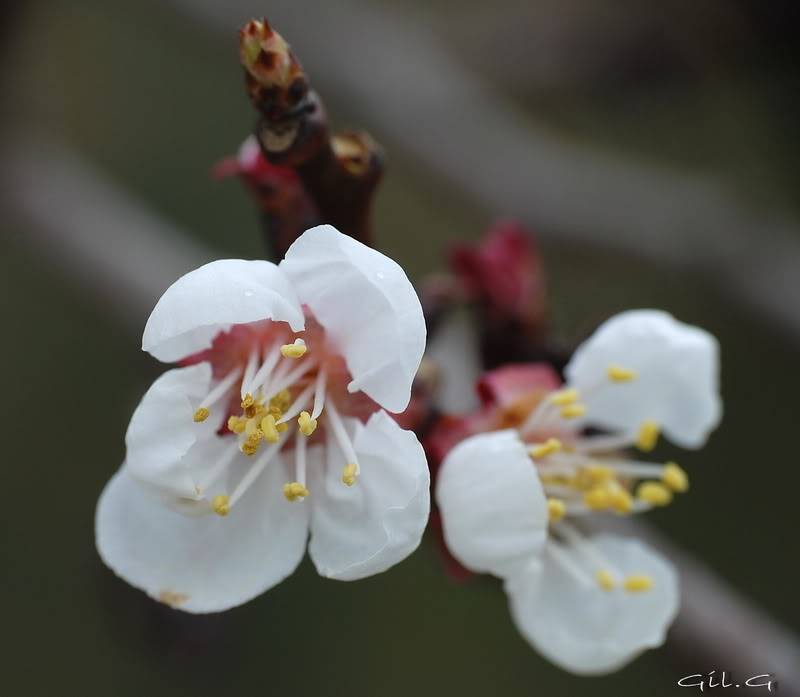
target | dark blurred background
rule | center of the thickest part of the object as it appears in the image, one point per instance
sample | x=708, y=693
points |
x=149, y=95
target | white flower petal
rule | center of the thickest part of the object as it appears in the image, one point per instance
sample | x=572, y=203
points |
x=494, y=513
x=584, y=629
x=198, y=464
x=162, y=432
x=367, y=305
x=364, y=529
x=200, y=304
x=678, y=376
x=205, y=564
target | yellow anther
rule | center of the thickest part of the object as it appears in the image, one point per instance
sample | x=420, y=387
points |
x=275, y=411
x=636, y=583
x=617, y=373
x=563, y=398
x=556, y=509
x=572, y=411
x=236, y=425
x=201, y=415
x=606, y=580
x=598, y=498
x=306, y=423
x=621, y=501
x=221, y=505
x=295, y=350
x=282, y=427
x=349, y=474
x=294, y=491
x=599, y=474
x=586, y=478
x=281, y=401
x=549, y=447
x=248, y=401
x=654, y=493
x=250, y=426
x=250, y=448
x=649, y=432
x=269, y=428
x=255, y=437
x=675, y=477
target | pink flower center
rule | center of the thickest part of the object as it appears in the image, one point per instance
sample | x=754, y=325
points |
x=269, y=384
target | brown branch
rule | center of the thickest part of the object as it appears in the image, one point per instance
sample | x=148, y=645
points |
x=339, y=173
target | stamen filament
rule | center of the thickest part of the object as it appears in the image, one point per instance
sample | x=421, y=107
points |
x=340, y=433
x=263, y=373
x=605, y=443
x=562, y=557
x=300, y=458
x=351, y=469
x=293, y=376
x=556, y=469
x=218, y=391
x=219, y=467
x=284, y=366
x=297, y=406
x=584, y=547
x=537, y=418
x=257, y=468
x=562, y=491
x=636, y=468
x=319, y=393
x=570, y=463
x=249, y=370
x=221, y=388
x=575, y=507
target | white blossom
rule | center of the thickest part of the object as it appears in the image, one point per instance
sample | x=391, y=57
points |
x=513, y=501
x=275, y=428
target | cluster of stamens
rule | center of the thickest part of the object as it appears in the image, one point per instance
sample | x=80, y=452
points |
x=274, y=397
x=260, y=421
x=590, y=474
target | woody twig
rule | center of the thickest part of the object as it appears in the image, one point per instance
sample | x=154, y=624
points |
x=335, y=175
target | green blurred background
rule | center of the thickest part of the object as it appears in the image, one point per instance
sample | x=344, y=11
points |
x=153, y=98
